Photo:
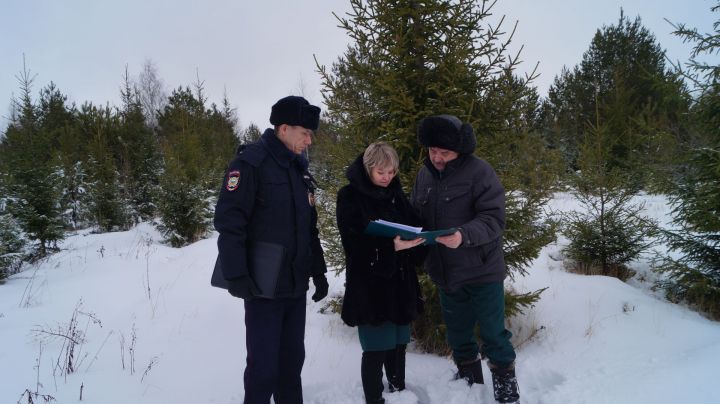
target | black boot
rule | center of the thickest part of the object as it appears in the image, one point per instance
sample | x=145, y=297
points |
x=471, y=371
x=505, y=383
x=395, y=368
x=371, y=375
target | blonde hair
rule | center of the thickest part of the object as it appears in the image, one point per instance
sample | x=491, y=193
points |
x=380, y=154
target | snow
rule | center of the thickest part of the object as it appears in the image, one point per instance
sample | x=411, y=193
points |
x=598, y=340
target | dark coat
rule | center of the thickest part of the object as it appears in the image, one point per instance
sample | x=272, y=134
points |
x=267, y=195
x=381, y=284
x=467, y=194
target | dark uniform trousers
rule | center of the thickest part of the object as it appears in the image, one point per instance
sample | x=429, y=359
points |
x=275, y=334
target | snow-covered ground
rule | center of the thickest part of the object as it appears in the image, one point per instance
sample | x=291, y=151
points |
x=156, y=332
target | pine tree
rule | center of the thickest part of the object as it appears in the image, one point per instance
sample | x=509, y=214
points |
x=411, y=59
x=693, y=273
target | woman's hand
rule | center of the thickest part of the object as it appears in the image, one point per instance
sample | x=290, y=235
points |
x=401, y=244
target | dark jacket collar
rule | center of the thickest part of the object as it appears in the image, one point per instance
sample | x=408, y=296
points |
x=450, y=167
x=360, y=179
x=282, y=155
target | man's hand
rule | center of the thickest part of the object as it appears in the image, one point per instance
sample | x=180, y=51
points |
x=401, y=244
x=243, y=287
x=451, y=240
x=321, y=287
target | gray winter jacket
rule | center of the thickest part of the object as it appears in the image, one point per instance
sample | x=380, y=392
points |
x=468, y=195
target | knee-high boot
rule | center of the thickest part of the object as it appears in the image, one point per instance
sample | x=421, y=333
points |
x=371, y=374
x=395, y=367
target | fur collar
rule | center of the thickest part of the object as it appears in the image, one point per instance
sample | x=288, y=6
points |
x=280, y=152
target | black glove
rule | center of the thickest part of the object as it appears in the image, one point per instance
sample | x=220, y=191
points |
x=242, y=287
x=321, y=287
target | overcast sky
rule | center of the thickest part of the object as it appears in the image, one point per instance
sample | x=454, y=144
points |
x=259, y=51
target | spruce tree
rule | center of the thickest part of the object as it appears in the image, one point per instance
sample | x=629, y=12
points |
x=12, y=241
x=624, y=73
x=693, y=276
x=139, y=154
x=107, y=200
x=197, y=143
x=692, y=273
x=609, y=231
x=70, y=153
x=32, y=179
x=411, y=59
x=12, y=244
x=251, y=134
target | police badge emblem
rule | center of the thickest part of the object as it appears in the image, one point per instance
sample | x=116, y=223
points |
x=233, y=180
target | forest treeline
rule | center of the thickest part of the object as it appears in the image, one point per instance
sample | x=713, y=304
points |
x=622, y=121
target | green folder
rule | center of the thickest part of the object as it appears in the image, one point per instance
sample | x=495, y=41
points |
x=384, y=228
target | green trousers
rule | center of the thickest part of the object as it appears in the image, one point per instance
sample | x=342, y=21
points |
x=484, y=305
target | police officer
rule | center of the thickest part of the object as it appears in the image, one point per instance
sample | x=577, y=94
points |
x=269, y=247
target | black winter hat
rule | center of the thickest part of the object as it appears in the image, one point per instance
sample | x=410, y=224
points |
x=447, y=132
x=296, y=111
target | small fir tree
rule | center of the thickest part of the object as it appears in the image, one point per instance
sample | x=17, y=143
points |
x=12, y=240
x=185, y=208
x=12, y=243
x=609, y=231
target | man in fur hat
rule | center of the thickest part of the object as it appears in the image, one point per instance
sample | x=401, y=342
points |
x=269, y=247
x=455, y=189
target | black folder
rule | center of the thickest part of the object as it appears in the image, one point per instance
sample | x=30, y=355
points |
x=265, y=261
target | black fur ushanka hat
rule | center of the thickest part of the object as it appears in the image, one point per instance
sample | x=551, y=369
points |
x=296, y=111
x=447, y=132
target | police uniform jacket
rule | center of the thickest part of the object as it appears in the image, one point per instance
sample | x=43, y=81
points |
x=468, y=195
x=381, y=283
x=268, y=195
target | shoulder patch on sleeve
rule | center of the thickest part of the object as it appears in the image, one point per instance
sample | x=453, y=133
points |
x=233, y=180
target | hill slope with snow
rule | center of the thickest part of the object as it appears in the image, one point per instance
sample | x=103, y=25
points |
x=154, y=331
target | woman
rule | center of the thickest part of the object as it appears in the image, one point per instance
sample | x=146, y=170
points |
x=382, y=294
